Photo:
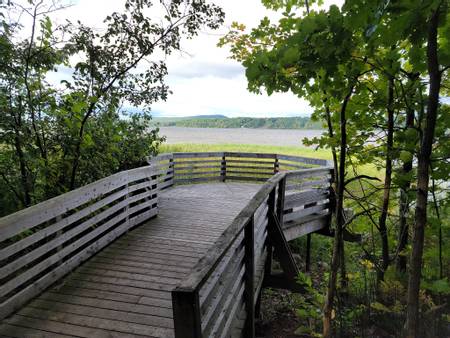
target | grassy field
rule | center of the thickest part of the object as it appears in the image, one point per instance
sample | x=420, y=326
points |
x=252, y=148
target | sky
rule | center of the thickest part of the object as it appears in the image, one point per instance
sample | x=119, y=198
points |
x=204, y=80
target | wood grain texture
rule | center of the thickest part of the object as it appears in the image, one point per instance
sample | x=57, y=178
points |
x=201, y=243
x=125, y=290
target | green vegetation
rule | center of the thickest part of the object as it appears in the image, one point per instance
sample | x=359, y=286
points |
x=252, y=148
x=239, y=122
x=56, y=138
x=375, y=72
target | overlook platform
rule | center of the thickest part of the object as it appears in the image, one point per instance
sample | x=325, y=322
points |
x=147, y=253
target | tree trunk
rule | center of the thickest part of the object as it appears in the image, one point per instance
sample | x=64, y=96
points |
x=329, y=300
x=335, y=165
x=404, y=205
x=387, y=182
x=415, y=267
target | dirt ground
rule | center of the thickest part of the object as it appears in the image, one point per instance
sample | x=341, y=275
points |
x=277, y=318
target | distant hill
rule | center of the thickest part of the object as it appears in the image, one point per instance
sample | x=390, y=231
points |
x=221, y=121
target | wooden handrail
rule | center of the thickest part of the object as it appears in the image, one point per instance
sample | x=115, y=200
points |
x=199, y=277
x=42, y=243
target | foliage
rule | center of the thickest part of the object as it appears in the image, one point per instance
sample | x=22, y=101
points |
x=56, y=137
x=309, y=306
x=372, y=71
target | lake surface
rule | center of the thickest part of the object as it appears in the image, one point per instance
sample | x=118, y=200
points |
x=276, y=137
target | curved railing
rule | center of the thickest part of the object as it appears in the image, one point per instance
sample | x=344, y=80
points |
x=185, y=168
x=219, y=295
x=42, y=243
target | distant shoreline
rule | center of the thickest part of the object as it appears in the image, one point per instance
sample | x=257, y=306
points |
x=223, y=122
x=241, y=128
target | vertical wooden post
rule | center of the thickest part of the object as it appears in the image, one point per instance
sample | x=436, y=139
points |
x=271, y=210
x=308, y=253
x=223, y=169
x=280, y=200
x=276, y=165
x=186, y=314
x=171, y=166
x=249, y=261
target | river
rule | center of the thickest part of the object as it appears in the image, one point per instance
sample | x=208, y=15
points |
x=276, y=137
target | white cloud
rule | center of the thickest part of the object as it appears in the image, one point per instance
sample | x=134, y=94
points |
x=228, y=96
x=203, y=79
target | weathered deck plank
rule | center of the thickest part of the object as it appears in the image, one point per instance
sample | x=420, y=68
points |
x=124, y=290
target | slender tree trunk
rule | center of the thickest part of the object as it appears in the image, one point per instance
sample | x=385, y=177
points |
x=24, y=174
x=26, y=199
x=329, y=300
x=335, y=165
x=331, y=135
x=415, y=268
x=77, y=152
x=387, y=181
x=404, y=205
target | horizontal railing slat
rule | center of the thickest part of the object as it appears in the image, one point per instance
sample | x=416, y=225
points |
x=265, y=173
x=15, y=223
x=305, y=212
x=247, y=178
x=250, y=155
x=234, y=277
x=197, y=155
x=247, y=167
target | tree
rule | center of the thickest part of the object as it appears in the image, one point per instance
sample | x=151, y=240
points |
x=283, y=57
x=364, y=71
x=49, y=135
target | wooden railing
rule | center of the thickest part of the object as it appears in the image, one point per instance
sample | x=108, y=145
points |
x=42, y=243
x=219, y=296
x=186, y=168
x=308, y=202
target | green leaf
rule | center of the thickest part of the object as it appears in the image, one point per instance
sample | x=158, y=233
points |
x=406, y=156
x=380, y=307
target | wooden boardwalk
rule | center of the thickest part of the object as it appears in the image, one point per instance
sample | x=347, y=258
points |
x=125, y=289
x=148, y=253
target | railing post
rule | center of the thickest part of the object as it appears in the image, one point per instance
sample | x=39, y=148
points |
x=280, y=200
x=171, y=167
x=223, y=168
x=249, y=261
x=276, y=165
x=271, y=210
x=186, y=313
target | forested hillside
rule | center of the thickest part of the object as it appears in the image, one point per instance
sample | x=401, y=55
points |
x=239, y=122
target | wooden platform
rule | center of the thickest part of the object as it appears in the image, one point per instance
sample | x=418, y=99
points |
x=124, y=290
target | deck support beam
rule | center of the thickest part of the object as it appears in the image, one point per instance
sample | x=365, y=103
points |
x=249, y=261
x=276, y=206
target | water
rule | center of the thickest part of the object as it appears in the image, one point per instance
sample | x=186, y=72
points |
x=275, y=137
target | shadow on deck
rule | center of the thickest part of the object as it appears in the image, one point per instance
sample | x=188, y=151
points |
x=125, y=290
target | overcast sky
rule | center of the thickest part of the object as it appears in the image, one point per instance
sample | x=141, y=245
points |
x=205, y=81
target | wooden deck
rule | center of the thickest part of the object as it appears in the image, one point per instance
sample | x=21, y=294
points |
x=96, y=262
x=125, y=289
